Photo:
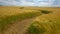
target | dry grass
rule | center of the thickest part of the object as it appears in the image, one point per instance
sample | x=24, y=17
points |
x=49, y=23
x=9, y=19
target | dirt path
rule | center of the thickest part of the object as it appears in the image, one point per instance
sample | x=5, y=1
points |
x=19, y=27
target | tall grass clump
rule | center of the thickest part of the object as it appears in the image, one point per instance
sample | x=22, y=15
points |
x=45, y=11
x=35, y=28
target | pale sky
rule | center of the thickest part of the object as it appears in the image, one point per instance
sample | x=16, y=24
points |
x=30, y=3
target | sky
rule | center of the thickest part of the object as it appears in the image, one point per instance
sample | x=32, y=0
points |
x=30, y=3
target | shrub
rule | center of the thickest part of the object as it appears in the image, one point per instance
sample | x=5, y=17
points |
x=45, y=11
x=21, y=7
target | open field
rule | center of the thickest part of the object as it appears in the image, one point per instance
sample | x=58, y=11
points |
x=47, y=20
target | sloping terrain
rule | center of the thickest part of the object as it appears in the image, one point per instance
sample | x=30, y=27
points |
x=7, y=19
x=48, y=23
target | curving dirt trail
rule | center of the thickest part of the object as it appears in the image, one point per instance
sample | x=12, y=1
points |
x=19, y=27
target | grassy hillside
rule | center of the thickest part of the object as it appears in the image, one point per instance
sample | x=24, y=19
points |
x=45, y=22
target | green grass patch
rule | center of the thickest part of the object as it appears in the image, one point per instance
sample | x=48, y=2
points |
x=45, y=11
x=35, y=29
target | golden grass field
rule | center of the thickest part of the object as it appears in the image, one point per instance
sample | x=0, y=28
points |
x=47, y=23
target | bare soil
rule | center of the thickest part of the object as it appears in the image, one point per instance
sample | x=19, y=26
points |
x=19, y=27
